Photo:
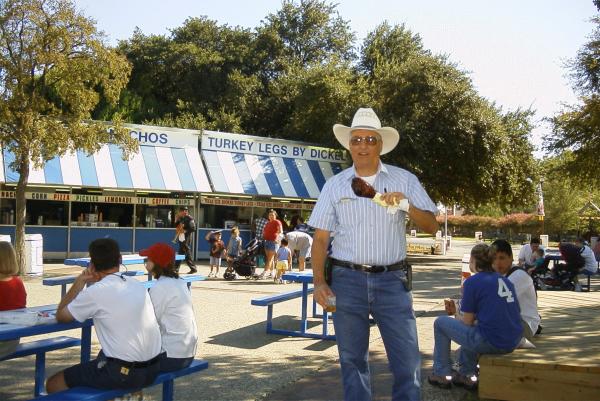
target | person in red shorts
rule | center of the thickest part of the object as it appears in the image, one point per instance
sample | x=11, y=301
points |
x=272, y=235
x=12, y=290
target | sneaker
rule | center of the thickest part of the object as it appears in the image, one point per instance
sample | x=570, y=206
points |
x=269, y=276
x=468, y=382
x=211, y=274
x=440, y=381
x=192, y=270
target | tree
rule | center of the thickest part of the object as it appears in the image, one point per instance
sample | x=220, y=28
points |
x=576, y=127
x=54, y=67
x=449, y=134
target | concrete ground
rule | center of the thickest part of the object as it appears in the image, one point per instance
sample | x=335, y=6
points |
x=246, y=363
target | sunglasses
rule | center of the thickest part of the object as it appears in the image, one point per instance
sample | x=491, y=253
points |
x=369, y=140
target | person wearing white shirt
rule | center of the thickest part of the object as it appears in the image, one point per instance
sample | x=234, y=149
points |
x=527, y=253
x=124, y=321
x=591, y=264
x=503, y=258
x=172, y=304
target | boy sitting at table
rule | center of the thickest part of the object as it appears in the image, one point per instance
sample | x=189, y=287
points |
x=124, y=320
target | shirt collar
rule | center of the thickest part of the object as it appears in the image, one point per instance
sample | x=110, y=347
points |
x=352, y=171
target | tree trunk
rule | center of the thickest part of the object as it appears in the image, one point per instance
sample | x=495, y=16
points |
x=20, y=214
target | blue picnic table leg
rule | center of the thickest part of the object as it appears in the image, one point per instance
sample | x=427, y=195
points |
x=63, y=290
x=40, y=373
x=303, y=322
x=86, y=343
x=325, y=322
x=269, y=319
x=168, y=390
x=314, y=314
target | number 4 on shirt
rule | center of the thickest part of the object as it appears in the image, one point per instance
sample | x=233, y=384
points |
x=504, y=291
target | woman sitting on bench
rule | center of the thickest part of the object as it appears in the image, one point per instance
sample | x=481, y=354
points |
x=172, y=301
x=12, y=290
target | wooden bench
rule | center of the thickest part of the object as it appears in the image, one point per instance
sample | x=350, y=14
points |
x=565, y=365
x=39, y=349
x=63, y=281
x=271, y=300
x=94, y=394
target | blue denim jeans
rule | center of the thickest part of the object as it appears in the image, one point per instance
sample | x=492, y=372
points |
x=447, y=329
x=382, y=295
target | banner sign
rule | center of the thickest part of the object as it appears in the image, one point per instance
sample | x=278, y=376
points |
x=235, y=143
x=129, y=200
x=164, y=136
x=204, y=200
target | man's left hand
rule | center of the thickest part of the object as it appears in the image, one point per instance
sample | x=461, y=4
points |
x=392, y=198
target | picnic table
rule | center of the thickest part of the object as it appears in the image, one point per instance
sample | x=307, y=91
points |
x=306, y=278
x=46, y=325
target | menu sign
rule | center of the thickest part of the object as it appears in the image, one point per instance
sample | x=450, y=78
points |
x=205, y=200
x=129, y=200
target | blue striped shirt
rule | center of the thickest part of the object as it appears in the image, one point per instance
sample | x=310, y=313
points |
x=363, y=232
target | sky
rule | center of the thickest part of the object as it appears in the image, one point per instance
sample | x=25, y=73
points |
x=514, y=50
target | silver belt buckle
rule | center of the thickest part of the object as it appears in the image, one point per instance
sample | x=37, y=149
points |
x=385, y=269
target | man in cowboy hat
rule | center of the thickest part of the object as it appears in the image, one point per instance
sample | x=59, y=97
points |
x=368, y=254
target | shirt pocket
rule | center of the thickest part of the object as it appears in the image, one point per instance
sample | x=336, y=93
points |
x=347, y=211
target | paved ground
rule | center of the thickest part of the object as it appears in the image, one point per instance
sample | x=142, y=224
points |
x=247, y=364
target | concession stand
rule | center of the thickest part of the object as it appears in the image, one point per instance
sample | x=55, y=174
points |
x=229, y=180
x=251, y=174
x=77, y=198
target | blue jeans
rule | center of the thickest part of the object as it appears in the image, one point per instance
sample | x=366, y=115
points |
x=447, y=329
x=382, y=295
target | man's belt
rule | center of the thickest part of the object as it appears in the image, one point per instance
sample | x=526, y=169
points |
x=402, y=265
x=128, y=364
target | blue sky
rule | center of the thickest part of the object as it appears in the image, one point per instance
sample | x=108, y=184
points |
x=514, y=50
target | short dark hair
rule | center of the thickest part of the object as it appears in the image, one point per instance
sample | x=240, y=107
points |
x=284, y=242
x=168, y=271
x=535, y=240
x=182, y=208
x=502, y=245
x=104, y=253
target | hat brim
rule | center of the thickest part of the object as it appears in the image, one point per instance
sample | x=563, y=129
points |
x=389, y=136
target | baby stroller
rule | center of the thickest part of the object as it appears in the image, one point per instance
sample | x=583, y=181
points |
x=244, y=265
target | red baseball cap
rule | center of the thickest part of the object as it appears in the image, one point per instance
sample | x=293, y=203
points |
x=160, y=253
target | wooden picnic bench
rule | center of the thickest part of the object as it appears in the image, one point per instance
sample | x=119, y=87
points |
x=565, y=365
x=39, y=349
x=94, y=394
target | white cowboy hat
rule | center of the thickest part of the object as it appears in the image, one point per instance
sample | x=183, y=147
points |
x=365, y=118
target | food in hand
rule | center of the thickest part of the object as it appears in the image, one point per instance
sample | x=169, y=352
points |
x=365, y=190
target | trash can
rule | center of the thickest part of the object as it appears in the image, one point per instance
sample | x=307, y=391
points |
x=34, y=249
x=438, y=247
x=465, y=270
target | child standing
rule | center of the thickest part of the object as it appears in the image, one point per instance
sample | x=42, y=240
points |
x=284, y=260
x=234, y=246
x=12, y=290
x=217, y=248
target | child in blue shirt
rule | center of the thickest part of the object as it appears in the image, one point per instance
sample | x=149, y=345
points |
x=284, y=260
x=489, y=298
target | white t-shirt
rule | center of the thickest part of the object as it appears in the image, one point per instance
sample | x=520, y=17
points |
x=527, y=298
x=173, y=308
x=590, y=259
x=526, y=254
x=123, y=317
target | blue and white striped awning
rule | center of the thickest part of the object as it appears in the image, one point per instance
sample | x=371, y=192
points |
x=153, y=168
x=255, y=169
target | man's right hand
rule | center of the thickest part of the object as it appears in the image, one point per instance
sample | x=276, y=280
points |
x=322, y=293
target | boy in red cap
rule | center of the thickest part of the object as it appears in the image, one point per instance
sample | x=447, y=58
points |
x=172, y=303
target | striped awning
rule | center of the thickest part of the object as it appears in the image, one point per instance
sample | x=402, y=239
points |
x=242, y=164
x=153, y=168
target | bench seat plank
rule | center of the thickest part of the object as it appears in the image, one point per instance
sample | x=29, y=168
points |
x=274, y=299
x=94, y=394
x=39, y=349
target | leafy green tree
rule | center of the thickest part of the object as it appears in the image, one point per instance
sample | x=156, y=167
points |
x=576, y=127
x=54, y=67
x=462, y=147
